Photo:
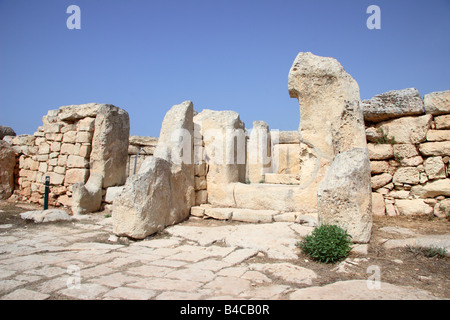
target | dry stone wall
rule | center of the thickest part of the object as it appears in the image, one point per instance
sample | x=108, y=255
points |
x=62, y=148
x=409, y=149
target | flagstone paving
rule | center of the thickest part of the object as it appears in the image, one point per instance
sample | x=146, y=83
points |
x=77, y=260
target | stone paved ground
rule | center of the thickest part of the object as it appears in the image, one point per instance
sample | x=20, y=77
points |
x=193, y=260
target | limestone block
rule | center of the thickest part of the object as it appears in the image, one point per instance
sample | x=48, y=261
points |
x=219, y=213
x=7, y=165
x=197, y=211
x=380, y=180
x=253, y=216
x=86, y=124
x=74, y=161
x=76, y=112
x=225, y=145
x=380, y=151
x=409, y=175
x=55, y=146
x=437, y=103
x=76, y=175
x=410, y=130
x=69, y=137
x=54, y=137
x=84, y=137
x=432, y=189
x=44, y=148
x=259, y=155
x=112, y=193
x=442, y=122
x=344, y=197
x=413, y=207
x=287, y=158
x=109, y=153
x=87, y=198
x=201, y=197
x=85, y=151
x=393, y=104
x=151, y=200
x=441, y=148
x=434, y=168
x=52, y=127
x=377, y=167
x=55, y=178
x=68, y=127
x=67, y=148
x=200, y=183
x=438, y=135
x=329, y=101
x=378, y=205
x=288, y=137
x=200, y=169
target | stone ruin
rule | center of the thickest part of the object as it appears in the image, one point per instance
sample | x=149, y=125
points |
x=349, y=160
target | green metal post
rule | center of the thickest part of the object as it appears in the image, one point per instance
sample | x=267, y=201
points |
x=47, y=187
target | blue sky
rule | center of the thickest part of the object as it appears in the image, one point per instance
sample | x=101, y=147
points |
x=145, y=56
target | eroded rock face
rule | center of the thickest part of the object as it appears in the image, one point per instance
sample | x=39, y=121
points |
x=393, y=104
x=345, y=195
x=333, y=143
x=7, y=164
x=109, y=153
x=162, y=192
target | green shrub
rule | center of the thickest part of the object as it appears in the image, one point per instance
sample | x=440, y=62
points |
x=327, y=243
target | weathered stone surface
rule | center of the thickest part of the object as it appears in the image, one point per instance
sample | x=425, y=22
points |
x=380, y=151
x=409, y=175
x=361, y=290
x=286, y=271
x=412, y=207
x=225, y=149
x=378, y=205
x=286, y=157
x=410, y=130
x=434, y=168
x=7, y=165
x=344, y=197
x=441, y=148
x=112, y=193
x=432, y=189
x=6, y=131
x=442, y=122
x=393, y=104
x=442, y=208
x=259, y=152
x=331, y=117
x=76, y=175
x=74, y=112
x=162, y=192
x=109, y=153
x=87, y=198
x=438, y=135
x=380, y=180
x=437, y=103
x=50, y=215
x=377, y=167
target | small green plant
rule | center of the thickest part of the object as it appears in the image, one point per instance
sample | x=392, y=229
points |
x=261, y=181
x=327, y=244
x=383, y=138
x=108, y=215
x=429, y=252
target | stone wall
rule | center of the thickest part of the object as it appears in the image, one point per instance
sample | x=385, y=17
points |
x=141, y=148
x=409, y=149
x=65, y=149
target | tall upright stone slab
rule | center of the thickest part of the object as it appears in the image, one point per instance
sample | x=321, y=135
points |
x=7, y=164
x=331, y=124
x=109, y=153
x=224, y=139
x=259, y=152
x=162, y=192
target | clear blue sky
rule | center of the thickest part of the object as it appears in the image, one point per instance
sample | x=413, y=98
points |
x=145, y=56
